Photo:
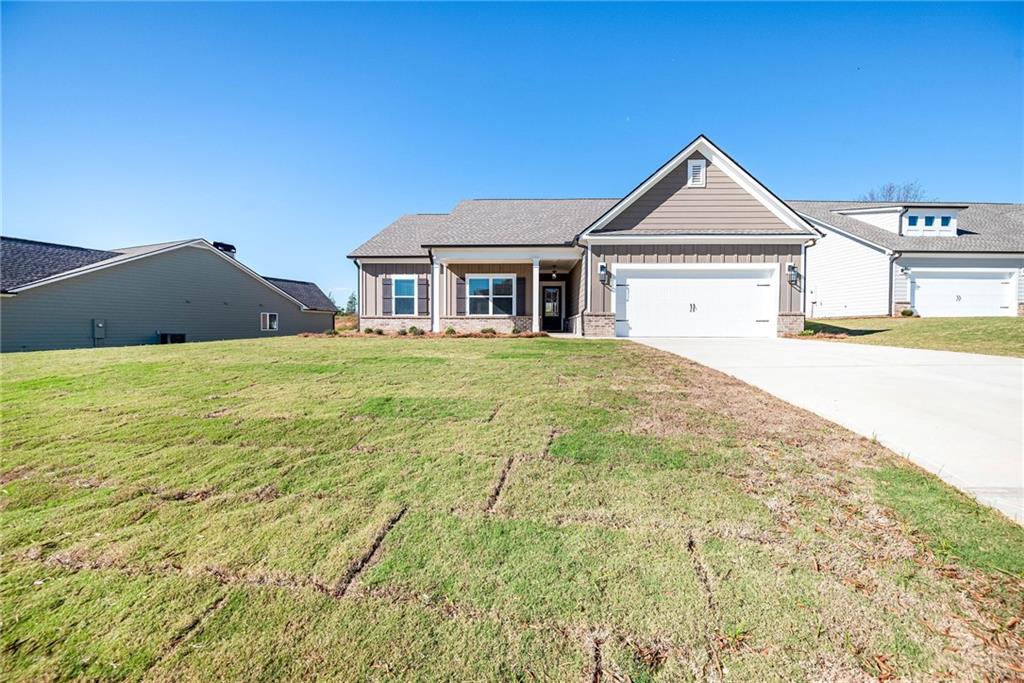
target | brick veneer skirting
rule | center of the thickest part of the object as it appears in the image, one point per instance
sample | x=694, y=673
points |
x=598, y=324
x=392, y=323
x=504, y=324
x=791, y=323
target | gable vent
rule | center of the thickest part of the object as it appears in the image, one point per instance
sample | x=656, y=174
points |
x=696, y=172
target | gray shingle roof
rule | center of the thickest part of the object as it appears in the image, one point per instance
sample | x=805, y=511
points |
x=24, y=261
x=308, y=293
x=982, y=227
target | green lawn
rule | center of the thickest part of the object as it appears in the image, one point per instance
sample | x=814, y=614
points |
x=385, y=508
x=993, y=336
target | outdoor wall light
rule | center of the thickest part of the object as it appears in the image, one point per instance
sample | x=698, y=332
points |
x=792, y=274
x=602, y=272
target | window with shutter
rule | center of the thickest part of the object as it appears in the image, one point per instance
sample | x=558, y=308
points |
x=696, y=172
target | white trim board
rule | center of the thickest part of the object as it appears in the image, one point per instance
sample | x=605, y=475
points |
x=735, y=172
x=700, y=238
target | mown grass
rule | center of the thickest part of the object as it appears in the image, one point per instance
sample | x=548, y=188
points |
x=470, y=509
x=992, y=336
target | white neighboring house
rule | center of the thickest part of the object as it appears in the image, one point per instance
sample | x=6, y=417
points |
x=938, y=259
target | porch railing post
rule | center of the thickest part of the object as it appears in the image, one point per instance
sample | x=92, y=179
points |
x=535, y=296
x=437, y=289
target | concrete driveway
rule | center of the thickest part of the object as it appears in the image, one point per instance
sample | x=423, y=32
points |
x=959, y=415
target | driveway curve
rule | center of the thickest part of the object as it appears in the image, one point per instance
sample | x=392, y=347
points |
x=959, y=415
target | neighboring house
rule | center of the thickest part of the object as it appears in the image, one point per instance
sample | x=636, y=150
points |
x=937, y=259
x=54, y=296
x=699, y=248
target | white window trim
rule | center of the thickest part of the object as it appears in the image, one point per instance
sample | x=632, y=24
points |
x=265, y=322
x=415, y=295
x=703, y=165
x=490, y=297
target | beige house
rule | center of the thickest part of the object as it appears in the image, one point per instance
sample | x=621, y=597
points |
x=699, y=248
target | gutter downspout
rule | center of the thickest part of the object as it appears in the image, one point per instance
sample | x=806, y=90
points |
x=893, y=255
x=359, y=293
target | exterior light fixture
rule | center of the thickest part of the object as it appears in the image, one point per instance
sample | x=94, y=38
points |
x=792, y=274
x=602, y=272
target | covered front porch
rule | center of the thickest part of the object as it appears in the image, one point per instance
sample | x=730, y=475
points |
x=536, y=290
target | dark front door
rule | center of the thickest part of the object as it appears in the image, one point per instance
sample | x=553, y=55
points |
x=551, y=313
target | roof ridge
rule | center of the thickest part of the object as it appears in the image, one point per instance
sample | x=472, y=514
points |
x=287, y=279
x=539, y=199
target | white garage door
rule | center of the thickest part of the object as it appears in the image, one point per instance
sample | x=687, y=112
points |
x=696, y=301
x=957, y=293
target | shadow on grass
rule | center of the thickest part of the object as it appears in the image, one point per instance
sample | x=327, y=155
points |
x=825, y=328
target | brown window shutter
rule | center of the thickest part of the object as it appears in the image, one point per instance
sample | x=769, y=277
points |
x=460, y=295
x=423, y=294
x=520, y=296
x=385, y=289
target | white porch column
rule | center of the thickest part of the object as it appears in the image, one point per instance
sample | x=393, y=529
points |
x=437, y=292
x=536, y=295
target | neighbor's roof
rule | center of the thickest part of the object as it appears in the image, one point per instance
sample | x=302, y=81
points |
x=982, y=227
x=25, y=262
x=311, y=296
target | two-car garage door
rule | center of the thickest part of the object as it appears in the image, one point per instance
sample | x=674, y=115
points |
x=691, y=300
x=963, y=292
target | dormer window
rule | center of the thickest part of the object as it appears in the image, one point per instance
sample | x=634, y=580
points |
x=945, y=221
x=929, y=221
x=912, y=221
x=696, y=173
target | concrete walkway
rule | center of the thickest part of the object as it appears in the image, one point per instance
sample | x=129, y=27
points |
x=959, y=415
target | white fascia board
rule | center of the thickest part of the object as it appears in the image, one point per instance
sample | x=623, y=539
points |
x=117, y=261
x=785, y=238
x=717, y=157
x=505, y=254
x=821, y=225
x=879, y=209
x=962, y=254
x=961, y=269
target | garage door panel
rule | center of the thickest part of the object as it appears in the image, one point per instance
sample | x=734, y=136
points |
x=963, y=293
x=696, y=303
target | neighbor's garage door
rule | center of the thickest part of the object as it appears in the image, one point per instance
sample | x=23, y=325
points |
x=957, y=293
x=696, y=301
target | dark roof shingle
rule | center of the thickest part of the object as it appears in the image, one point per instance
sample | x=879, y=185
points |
x=308, y=293
x=23, y=261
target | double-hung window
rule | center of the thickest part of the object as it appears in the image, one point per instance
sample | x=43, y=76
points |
x=268, y=322
x=491, y=294
x=404, y=296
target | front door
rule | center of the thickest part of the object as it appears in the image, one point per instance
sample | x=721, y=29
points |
x=551, y=318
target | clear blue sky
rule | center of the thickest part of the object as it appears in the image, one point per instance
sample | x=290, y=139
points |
x=295, y=131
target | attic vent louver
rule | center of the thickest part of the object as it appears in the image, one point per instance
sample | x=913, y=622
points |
x=695, y=173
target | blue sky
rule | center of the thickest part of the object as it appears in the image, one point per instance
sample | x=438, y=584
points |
x=296, y=131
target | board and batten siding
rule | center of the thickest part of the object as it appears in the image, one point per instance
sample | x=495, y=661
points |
x=371, y=284
x=188, y=290
x=720, y=206
x=846, y=278
x=900, y=289
x=601, y=294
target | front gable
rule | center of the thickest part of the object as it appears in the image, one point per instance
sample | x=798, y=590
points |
x=729, y=200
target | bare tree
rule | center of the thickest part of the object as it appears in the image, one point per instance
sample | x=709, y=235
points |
x=896, y=192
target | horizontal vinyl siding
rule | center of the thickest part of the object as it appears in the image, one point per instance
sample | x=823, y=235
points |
x=789, y=295
x=371, y=283
x=671, y=206
x=846, y=278
x=187, y=290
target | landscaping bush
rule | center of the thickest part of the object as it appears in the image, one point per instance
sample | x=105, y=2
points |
x=907, y=312
x=415, y=331
x=378, y=331
x=368, y=330
x=488, y=330
x=516, y=330
x=449, y=331
x=402, y=331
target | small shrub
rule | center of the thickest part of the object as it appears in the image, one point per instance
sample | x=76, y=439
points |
x=402, y=331
x=808, y=333
x=378, y=331
x=907, y=312
x=331, y=332
x=516, y=330
x=368, y=330
x=488, y=330
x=415, y=331
x=449, y=331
